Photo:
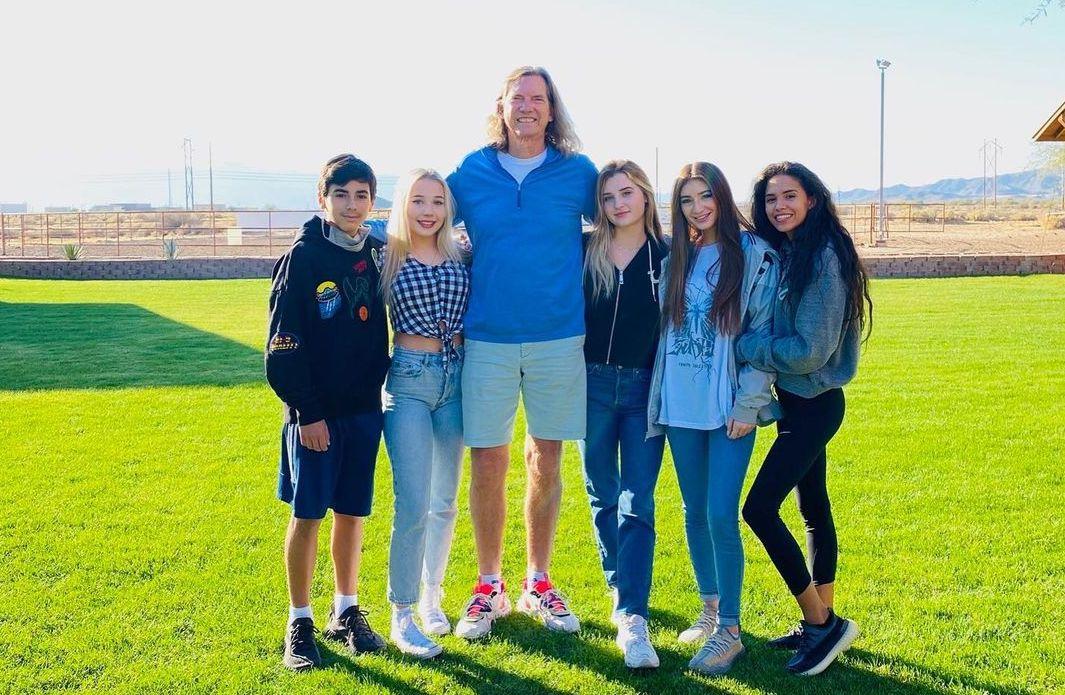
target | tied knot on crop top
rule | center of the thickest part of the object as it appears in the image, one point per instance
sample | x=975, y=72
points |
x=430, y=301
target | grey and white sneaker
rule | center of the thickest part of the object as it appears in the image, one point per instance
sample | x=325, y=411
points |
x=702, y=628
x=409, y=639
x=718, y=653
x=434, y=622
x=634, y=642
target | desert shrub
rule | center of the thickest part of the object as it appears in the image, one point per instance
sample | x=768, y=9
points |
x=73, y=252
x=1054, y=220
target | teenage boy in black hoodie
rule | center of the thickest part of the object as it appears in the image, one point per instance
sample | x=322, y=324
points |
x=326, y=358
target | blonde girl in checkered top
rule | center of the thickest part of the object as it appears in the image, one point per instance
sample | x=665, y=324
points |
x=425, y=282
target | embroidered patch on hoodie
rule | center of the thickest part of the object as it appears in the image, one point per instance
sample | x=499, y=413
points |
x=282, y=343
x=328, y=299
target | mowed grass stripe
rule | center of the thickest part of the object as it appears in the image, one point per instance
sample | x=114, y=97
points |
x=141, y=542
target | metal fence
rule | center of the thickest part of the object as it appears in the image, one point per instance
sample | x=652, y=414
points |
x=148, y=234
x=229, y=233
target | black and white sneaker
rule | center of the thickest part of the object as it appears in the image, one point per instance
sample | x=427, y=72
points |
x=789, y=641
x=819, y=645
x=301, y=653
x=352, y=628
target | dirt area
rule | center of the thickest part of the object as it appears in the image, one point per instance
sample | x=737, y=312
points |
x=974, y=238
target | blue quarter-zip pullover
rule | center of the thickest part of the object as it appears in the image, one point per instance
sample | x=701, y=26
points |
x=526, y=273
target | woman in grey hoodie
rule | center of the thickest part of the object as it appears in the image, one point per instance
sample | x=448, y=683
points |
x=817, y=326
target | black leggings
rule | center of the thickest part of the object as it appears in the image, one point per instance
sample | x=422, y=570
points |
x=797, y=460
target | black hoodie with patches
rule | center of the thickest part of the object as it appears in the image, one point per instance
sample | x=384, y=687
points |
x=327, y=346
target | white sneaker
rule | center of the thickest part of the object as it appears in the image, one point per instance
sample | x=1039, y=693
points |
x=634, y=643
x=483, y=608
x=434, y=622
x=409, y=639
x=547, y=604
x=718, y=654
x=702, y=628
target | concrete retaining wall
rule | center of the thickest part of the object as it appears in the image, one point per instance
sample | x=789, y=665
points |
x=222, y=268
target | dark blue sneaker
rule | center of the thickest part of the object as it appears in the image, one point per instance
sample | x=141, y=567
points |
x=789, y=641
x=301, y=653
x=819, y=645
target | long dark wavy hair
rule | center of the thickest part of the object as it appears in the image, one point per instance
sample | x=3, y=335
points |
x=822, y=227
x=725, y=309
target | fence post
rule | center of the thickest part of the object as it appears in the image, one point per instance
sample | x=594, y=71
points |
x=47, y=237
x=214, y=234
x=3, y=236
x=22, y=234
x=909, y=218
x=944, y=217
x=79, y=227
x=270, y=232
x=118, y=233
x=872, y=223
x=854, y=216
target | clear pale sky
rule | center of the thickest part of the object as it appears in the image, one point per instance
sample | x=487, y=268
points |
x=112, y=88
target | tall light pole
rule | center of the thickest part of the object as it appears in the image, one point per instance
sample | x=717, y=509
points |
x=881, y=236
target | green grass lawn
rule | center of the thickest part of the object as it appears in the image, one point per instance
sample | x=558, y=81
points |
x=140, y=540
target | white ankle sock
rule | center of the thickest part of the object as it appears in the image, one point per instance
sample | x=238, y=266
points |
x=295, y=613
x=533, y=576
x=342, y=602
x=496, y=580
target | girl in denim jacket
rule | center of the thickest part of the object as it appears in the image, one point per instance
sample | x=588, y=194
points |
x=719, y=284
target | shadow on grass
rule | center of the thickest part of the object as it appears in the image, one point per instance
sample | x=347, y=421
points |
x=80, y=346
x=460, y=668
x=761, y=668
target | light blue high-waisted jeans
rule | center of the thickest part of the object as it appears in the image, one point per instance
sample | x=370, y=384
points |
x=423, y=437
x=710, y=469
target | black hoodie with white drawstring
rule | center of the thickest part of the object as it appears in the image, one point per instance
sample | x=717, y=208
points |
x=327, y=345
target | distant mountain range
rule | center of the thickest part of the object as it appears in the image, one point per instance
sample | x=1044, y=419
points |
x=1023, y=184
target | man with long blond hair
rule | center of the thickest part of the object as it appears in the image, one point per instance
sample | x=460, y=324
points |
x=521, y=198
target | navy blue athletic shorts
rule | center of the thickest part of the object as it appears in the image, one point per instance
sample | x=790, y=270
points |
x=339, y=478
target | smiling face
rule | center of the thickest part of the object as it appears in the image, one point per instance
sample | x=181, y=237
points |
x=526, y=109
x=786, y=203
x=426, y=208
x=698, y=205
x=623, y=201
x=346, y=207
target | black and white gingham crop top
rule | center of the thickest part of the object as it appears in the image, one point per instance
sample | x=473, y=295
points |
x=430, y=300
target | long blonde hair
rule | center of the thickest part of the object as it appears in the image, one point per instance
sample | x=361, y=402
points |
x=560, y=131
x=397, y=248
x=598, y=268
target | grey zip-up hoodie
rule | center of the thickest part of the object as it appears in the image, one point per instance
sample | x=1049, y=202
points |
x=754, y=403
x=813, y=348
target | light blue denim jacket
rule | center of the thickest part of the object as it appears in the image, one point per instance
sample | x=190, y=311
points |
x=754, y=402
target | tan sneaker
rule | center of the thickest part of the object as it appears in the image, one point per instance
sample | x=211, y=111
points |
x=718, y=653
x=702, y=628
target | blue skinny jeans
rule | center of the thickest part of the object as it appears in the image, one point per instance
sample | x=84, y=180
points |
x=622, y=493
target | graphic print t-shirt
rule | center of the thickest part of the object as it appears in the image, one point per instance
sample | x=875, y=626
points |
x=696, y=392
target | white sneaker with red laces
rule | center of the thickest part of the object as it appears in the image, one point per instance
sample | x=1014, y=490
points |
x=486, y=604
x=547, y=604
